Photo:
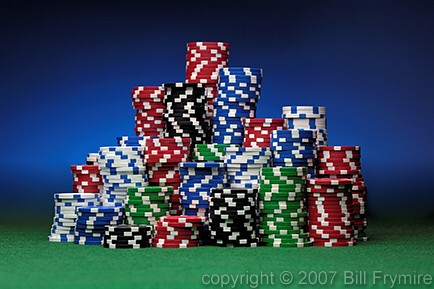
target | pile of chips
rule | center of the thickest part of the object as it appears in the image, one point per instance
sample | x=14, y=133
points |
x=131, y=141
x=145, y=205
x=178, y=232
x=121, y=167
x=344, y=162
x=282, y=208
x=243, y=165
x=91, y=222
x=329, y=211
x=162, y=158
x=232, y=217
x=127, y=236
x=306, y=118
x=86, y=179
x=197, y=181
x=239, y=91
x=209, y=152
x=148, y=101
x=257, y=131
x=294, y=148
x=65, y=214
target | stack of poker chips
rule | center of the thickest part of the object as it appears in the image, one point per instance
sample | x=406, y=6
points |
x=92, y=159
x=91, y=222
x=344, y=162
x=243, y=165
x=146, y=205
x=197, y=181
x=121, y=167
x=294, y=148
x=162, y=158
x=148, y=101
x=86, y=179
x=127, y=237
x=65, y=214
x=232, y=217
x=257, y=131
x=329, y=211
x=203, y=61
x=307, y=117
x=178, y=232
x=239, y=91
x=281, y=207
x=185, y=114
x=209, y=152
x=131, y=141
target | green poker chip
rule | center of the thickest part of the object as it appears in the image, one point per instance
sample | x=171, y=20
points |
x=289, y=245
x=151, y=189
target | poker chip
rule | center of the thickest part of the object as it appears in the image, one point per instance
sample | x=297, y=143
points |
x=178, y=231
x=148, y=103
x=92, y=159
x=210, y=152
x=127, y=236
x=134, y=141
x=257, y=131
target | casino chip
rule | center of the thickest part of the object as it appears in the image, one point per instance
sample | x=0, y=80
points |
x=294, y=148
x=210, y=152
x=121, y=167
x=239, y=90
x=257, y=131
x=92, y=159
x=307, y=118
x=162, y=158
x=330, y=212
x=131, y=141
x=127, y=236
x=232, y=217
x=282, y=209
x=344, y=162
x=86, y=179
x=178, y=232
x=243, y=166
x=91, y=222
x=148, y=102
x=145, y=205
x=65, y=214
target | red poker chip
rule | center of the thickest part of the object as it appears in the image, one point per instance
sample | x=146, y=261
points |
x=170, y=237
x=331, y=233
x=334, y=244
x=330, y=223
x=178, y=224
x=178, y=241
x=185, y=234
x=318, y=209
x=324, y=191
x=183, y=219
x=329, y=181
x=338, y=228
x=339, y=172
x=327, y=215
x=181, y=246
x=330, y=220
x=318, y=236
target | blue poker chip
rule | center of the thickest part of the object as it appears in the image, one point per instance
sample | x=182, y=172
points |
x=72, y=196
x=201, y=165
x=193, y=206
x=238, y=94
x=254, y=79
x=253, y=70
x=294, y=133
x=96, y=236
x=82, y=241
x=287, y=153
x=100, y=209
x=290, y=147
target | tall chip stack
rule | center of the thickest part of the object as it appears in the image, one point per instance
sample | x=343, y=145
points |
x=239, y=90
x=186, y=112
x=243, y=166
x=344, y=162
x=307, y=118
x=86, y=179
x=203, y=62
x=232, y=217
x=65, y=214
x=198, y=179
x=149, y=106
x=329, y=211
x=294, y=148
x=162, y=157
x=257, y=131
x=282, y=207
x=121, y=167
x=145, y=205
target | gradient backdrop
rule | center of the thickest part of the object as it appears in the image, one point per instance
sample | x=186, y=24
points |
x=67, y=69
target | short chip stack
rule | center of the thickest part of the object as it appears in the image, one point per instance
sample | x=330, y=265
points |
x=127, y=236
x=178, y=232
x=243, y=166
x=209, y=152
x=239, y=91
x=282, y=207
x=162, y=158
x=232, y=217
x=329, y=211
x=307, y=118
x=131, y=141
x=185, y=114
x=294, y=148
x=121, y=167
x=344, y=162
x=198, y=179
x=148, y=101
x=91, y=222
x=257, y=131
x=65, y=214
x=145, y=205
x=86, y=179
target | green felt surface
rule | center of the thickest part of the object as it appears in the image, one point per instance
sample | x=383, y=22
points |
x=28, y=260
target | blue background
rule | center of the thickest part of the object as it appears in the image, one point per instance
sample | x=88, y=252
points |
x=67, y=69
